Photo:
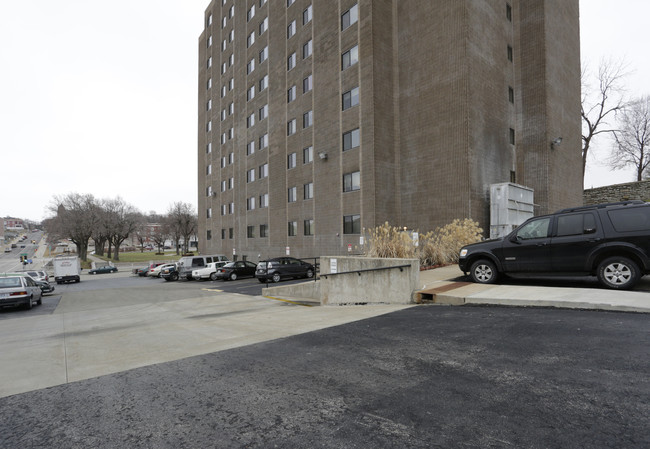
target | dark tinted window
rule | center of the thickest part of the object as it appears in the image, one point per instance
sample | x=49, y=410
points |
x=534, y=229
x=197, y=262
x=575, y=224
x=631, y=219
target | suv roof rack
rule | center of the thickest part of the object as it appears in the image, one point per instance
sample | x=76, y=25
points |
x=600, y=206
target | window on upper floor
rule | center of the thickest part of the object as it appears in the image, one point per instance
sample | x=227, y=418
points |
x=509, y=12
x=308, y=155
x=251, y=13
x=264, y=200
x=264, y=141
x=264, y=54
x=293, y=229
x=511, y=94
x=308, y=191
x=307, y=84
x=250, y=40
x=251, y=66
x=250, y=175
x=250, y=148
x=263, y=112
x=307, y=119
x=351, y=181
x=291, y=160
x=351, y=139
x=350, y=98
x=264, y=25
x=352, y=224
x=250, y=120
x=250, y=94
x=306, y=15
x=349, y=17
x=291, y=127
x=308, y=227
x=291, y=94
x=307, y=49
x=263, y=171
x=291, y=195
x=264, y=83
x=264, y=230
x=291, y=61
x=350, y=57
x=510, y=53
x=291, y=29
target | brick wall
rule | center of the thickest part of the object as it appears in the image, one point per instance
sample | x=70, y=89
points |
x=618, y=192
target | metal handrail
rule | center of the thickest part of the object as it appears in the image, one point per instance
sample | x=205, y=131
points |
x=401, y=268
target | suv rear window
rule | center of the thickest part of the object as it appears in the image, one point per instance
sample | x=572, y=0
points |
x=630, y=219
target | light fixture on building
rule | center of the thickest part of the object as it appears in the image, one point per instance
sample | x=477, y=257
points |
x=322, y=155
x=556, y=142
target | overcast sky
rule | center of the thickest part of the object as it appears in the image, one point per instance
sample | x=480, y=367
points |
x=101, y=97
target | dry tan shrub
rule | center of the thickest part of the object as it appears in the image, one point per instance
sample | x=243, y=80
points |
x=439, y=247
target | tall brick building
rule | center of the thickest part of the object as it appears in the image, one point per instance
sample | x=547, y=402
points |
x=320, y=118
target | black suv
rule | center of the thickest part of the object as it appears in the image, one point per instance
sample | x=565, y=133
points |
x=282, y=268
x=611, y=241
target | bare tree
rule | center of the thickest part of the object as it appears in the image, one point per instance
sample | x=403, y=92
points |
x=122, y=220
x=182, y=223
x=160, y=234
x=633, y=138
x=600, y=103
x=75, y=217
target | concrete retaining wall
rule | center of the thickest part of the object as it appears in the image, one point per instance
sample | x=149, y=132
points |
x=619, y=192
x=390, y=286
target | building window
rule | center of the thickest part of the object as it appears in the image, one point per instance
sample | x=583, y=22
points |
x=264, y=200
x=224, y=185
x=250, y=148
x=223, y=45
x=350, y=57
x=250, y=120
x=208, y=148
x=264, y=230
x=291, y=29
x=209, y=41
x=208, y=169
x=231, y=132
x=307, y=84
x=308, y=191
x=251, y=93
x=231, y=208
x=231, y=60
x=231, y=158
x=231, y=108
x=511, y=95
x=209, y=84
x=223, y=161
x=250, y=230
x=250, y=203
x=290, y=2
x=208, y=235
x=210, y=62
x=306, y=15
x=264, y=141
x=291, y=94
x=231, y=233
x=512, y=136
x=251, y=13
x=292, y=195
x=208, y=191
x=293, y=229
x=223, y=22
x=251, y=66
x=264, y=54
x=208, y=105
x=349, y=17
x=264, y=83
x=308, y=227
x=231, y=11
x=208, y=21
x=264, y=112
x=307, y=49
x=208, y=126
x=223, y=115
x=223, y=234
x=250, y=175
x=351, y=139
x=251, y=39
x=508, y=12
x=352, y=224
x=264, y=25
x=308, y=155
x=223, y=209
x=307, y=119
x=351, y=98
x=510, y=57
x=208, y=213
x=231, y=183
x=223, y=68
x=263, y=171
x=223, y=138
x=291, y=160
x=513, y=176
x=291, y=61
x=351, y=181
x=291, y=127
x=231, y=84
x=262, y=2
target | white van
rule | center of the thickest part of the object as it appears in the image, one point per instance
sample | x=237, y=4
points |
x=188, y=263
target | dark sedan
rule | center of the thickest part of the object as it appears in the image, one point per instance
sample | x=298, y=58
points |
x=283, y=268
x=235, y=270
x=103, y=269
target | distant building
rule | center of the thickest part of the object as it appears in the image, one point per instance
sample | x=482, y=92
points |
x=14, y=224
x=318, y=119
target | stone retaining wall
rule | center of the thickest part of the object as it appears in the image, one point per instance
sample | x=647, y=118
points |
x=618, y=192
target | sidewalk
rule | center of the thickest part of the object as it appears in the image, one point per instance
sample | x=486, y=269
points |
x=441, y=287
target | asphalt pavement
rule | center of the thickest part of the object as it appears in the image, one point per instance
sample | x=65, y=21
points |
x=422, y=377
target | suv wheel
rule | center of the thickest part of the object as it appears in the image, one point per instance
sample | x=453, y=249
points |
x=310, y=273
x=233, y=276
x=484, y=272
x=276, y=277
x=213, y=276
x=618, y=272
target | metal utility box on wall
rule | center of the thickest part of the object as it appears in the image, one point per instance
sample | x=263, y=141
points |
x=510, y=205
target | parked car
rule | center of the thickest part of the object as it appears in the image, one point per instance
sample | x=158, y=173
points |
x=154, y=272
x=610, y=241
x=142, y=271
x=208, y=272
x=44, y=285
x=187, y=264
x=235, y=270
x=103, y=269
x=37, y=275
x=18, y=290
x=283, y=268
x=169, y=273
